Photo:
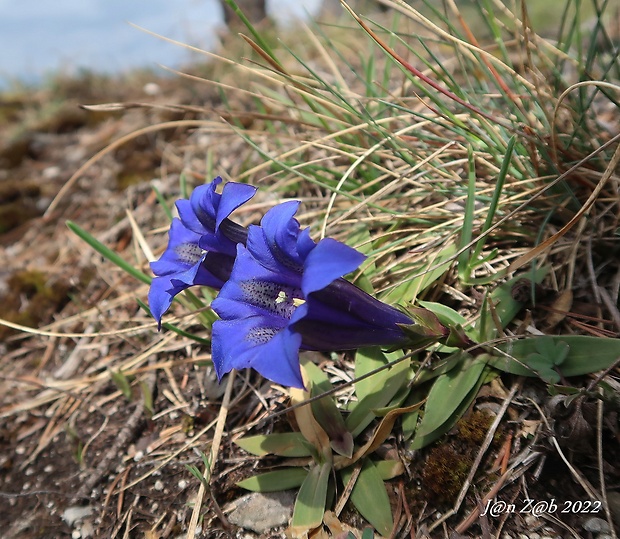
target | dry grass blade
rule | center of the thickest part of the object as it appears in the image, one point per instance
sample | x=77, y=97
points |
x=213, y=454
x=111, y=147
x=601, y=474
x=583, y=211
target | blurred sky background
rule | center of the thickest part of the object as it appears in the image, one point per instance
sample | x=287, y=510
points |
x=40, y=37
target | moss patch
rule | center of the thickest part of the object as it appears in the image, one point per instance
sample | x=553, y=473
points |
x=30, y=299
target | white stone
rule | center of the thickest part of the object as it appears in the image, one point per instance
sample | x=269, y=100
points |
x=52, y=172
x=596, y=525
x=151, y=88
x=261, y=512
x=76, y=513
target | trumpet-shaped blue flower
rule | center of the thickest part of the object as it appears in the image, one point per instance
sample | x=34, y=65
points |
x=202, y=243
x=286, y=293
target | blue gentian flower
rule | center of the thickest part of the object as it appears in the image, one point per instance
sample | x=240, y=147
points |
x=286, y=293
x=202, y=243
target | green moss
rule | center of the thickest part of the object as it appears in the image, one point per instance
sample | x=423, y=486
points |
x=444, y=473
x=31, y=298
x=448, y=464
x=472, y=430
x=17, y=198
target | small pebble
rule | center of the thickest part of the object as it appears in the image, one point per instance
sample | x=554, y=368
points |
x=260, y=512
x=151, y=88
x=52, y=172
x=76, y=513
x=596, y=525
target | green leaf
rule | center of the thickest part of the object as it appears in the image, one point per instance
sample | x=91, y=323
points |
x=548, y=355
x=378, y=390
x=258, y=36
x=326, y=412
x=286, y=444
x=447, y=394
x=409, y=421
x=389, y=469
x=506, y=307
x=310, y=503
x=576, y=354
x=492, y=207
x=368, y=360
x=370, y=497
x=437, y=369
x=552, y=350
x=147, y=397
x=367, y=534
x=465, y=262
x=422, y=441
x=276, y=480
x=121, y=381
x=446, y=315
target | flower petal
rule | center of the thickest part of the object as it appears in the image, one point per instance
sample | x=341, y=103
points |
x=247, y=342
x=234, y=195
x=328, y=261
x=182, y=251
x=160, y=297
x=204, y=201
x=165, y=287
x=274, y=243
x=190, y=219
x=253, y=289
